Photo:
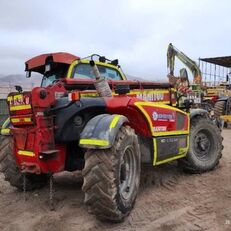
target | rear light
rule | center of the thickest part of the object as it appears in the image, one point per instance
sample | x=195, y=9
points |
x=21, y=120
x=74, y=96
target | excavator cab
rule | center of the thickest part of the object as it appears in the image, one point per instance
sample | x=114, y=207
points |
x=184, y=73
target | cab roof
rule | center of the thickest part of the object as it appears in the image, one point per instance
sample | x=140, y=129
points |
x=40, y=60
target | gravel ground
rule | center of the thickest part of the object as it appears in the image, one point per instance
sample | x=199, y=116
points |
x=168, y=200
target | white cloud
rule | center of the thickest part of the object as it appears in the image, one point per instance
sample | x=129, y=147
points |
x=135, y=31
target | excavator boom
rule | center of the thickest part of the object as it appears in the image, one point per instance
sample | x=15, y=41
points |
x=174, y=52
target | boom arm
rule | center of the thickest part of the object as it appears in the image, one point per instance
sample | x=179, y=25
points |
x=172, y=52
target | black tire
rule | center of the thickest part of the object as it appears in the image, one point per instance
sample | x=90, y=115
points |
x=205, y=147
x=112, y=177
x=11, y=171
x=219, y=108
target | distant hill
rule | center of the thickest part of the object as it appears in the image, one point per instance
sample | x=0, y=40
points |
x=7, y=83
x=17, y=79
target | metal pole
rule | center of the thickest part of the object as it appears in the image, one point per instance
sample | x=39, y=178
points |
x=227, y=71
x=206, y=72
x=219, y=74
x=215, y=69
x=202, y=70
x=210, y=74
x=229, y=75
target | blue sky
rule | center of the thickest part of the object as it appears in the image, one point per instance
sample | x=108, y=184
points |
x=135, y=31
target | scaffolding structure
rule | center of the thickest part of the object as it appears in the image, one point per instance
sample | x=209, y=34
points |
x=216, y=71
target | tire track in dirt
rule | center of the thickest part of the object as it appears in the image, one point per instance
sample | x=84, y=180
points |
x=168, y=200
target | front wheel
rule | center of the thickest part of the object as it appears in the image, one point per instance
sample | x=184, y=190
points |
x=112, y=176
x=205, y=147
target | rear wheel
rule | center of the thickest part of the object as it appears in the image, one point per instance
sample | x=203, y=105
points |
x=11, y=171
x=112, y=176
x=204, y=148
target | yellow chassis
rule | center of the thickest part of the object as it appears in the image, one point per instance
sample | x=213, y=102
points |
x=226, y=118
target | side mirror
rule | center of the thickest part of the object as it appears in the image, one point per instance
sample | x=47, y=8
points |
x=28, y=74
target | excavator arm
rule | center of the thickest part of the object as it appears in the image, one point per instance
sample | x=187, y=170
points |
x=174, y=52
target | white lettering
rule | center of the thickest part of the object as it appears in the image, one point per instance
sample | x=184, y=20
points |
x=151, y=97
x=160, y=129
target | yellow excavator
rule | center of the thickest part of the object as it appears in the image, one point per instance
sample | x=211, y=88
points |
x=221, y=108
x=186, y=90
x=174, y=52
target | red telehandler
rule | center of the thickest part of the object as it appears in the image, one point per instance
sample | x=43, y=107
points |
x=86, y=116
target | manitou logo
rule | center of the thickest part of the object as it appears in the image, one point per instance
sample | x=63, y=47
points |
x=151, y=97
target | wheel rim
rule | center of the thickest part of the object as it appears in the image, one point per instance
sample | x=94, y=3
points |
x=127, y=173
x=203, y=143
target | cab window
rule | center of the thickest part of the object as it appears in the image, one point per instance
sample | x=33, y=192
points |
x=48, y=79
x=58, y=71
x=84, y=70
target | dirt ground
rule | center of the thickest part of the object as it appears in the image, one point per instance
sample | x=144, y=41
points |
x=168, y=200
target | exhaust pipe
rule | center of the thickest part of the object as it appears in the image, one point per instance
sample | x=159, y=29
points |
x=101, y=84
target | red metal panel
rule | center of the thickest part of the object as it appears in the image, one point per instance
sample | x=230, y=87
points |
x=38, y=141
x=161, y=119
x=59, y=57
x=124, y=105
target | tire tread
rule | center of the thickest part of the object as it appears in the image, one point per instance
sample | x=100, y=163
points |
x=100, y=179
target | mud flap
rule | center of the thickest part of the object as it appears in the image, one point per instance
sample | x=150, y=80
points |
x=100, y=131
